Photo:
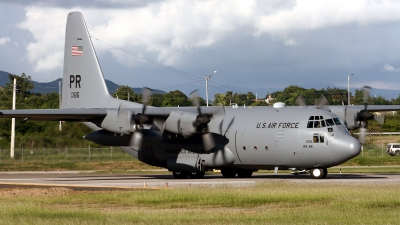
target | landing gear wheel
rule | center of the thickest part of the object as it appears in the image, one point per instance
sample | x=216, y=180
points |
x=197, y=175
x=228, y=173
x=180, y=174
x=244, y=173
x=319, y=173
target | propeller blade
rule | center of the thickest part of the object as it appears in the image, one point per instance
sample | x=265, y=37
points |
x=229, y=125
x=363, y=132
x=366, y=90
x=380, y=119
x=300, y=101
x=220, y=126
x=146, y=93
x=323, y=101
x=195, y=100
x=208, y=141
x=136, y=139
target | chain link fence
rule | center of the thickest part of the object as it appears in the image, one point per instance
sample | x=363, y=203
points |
x=64, y=154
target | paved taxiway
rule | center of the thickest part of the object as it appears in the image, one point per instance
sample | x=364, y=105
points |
x=78, y=180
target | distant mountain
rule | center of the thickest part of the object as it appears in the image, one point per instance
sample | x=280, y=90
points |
x=53, y=86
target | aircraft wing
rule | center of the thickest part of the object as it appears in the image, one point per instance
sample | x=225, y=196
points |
x=83, y=115
x=380, y=108
x=371, y=108
x=55, y=114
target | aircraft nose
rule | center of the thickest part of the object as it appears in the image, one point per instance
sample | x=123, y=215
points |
x=345, y=148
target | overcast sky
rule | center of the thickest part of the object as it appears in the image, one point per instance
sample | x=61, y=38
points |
x=174, y=44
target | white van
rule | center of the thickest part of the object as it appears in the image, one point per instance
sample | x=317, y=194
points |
x=393, y=149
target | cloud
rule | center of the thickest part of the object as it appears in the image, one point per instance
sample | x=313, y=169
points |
x=4, y=40
x=389, y=68
x=310, y=15
x=170, y=30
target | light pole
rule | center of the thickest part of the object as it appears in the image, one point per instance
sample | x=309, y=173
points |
x=12, y=145
x=348, y=89
x=207, y=79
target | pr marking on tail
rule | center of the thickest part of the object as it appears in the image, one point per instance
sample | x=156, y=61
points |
x=75, y=79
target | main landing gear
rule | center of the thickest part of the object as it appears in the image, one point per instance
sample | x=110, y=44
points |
x=318, y=173
x=184, y=175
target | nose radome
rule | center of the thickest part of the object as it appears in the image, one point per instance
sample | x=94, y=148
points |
x=345, y=148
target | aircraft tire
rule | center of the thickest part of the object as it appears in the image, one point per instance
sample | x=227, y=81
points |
x=197, y=175
x=318, y=173
x=244, y=173
x=325, y=172
x=228, y=173
x=180, y=174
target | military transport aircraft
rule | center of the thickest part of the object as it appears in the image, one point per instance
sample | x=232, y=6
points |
x=190, y=140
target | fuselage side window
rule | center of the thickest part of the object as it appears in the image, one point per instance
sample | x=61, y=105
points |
x=316, y=138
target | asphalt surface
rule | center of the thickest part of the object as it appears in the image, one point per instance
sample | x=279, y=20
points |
x=89, y=181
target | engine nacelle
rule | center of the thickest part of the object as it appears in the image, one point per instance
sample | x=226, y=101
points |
x=119, y=121
x=107, y=138
x=180, y=122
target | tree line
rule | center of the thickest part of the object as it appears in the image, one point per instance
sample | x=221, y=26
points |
x=46, y=134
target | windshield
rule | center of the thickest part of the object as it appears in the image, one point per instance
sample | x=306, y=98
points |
x=337, y=121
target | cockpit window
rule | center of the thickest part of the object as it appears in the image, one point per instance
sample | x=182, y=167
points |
x=329, y=122
x=337, y=121
x=318, y=122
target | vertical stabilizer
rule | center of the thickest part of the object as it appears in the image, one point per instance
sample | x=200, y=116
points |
x=83, y=81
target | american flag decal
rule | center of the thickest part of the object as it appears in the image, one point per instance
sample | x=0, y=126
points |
x=76, y=50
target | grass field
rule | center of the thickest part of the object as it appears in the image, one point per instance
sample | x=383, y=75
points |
x=269, y=202
x=272, y=202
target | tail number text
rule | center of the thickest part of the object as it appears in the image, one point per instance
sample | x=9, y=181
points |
x=75, y=94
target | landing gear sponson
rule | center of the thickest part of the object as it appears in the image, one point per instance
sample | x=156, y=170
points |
x=316, y=173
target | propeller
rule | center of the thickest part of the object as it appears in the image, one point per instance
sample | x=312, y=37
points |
x=323, y=102
x=300, y=101
x=363, y=116
x=201, y=123
x=140, y=119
